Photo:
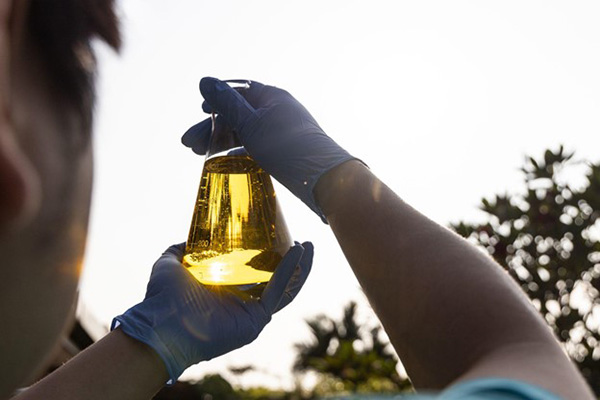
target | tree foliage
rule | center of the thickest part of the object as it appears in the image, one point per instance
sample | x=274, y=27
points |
x=349, y=357
x=212, y=386
x=548, y=239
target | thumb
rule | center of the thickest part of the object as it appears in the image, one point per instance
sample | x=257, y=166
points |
x=275, y=290
x=175, y=251
x=198, y=136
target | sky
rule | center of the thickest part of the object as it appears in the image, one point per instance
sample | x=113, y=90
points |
x=442, y=100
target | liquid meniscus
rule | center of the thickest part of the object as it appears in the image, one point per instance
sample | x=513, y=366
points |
x=238, y=235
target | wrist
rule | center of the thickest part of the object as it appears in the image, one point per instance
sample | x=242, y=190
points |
x=140, y=353
x=133, y=325
x=337, y=183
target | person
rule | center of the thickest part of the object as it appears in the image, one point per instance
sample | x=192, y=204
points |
x=46, y=95
x=459, y=324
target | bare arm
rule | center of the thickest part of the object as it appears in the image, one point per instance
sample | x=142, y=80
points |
x=117, y=367
x=450, y=311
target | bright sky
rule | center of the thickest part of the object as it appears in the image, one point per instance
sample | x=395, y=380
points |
x=441, y=99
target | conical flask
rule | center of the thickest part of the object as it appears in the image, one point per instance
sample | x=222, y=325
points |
x=238, y=234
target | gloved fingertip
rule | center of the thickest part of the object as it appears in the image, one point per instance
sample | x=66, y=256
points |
x=207, y=84
x=198, y=135
x=188, y=137
x=307, y=252
x=294, y=253
x=176, y=250
x=207, y=108
x=307, y=257
x=308, y=246
x=304, y=264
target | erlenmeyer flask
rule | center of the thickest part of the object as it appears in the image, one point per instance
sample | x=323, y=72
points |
x=238, y=235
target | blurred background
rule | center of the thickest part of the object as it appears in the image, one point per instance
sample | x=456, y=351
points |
x=443, y=100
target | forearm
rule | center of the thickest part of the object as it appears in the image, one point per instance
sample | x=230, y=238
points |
x=116, y=367
x=446, y=306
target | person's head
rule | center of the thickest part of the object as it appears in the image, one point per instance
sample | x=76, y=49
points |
x=46, y=102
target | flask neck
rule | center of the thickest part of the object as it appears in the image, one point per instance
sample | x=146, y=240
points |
x=223, y=139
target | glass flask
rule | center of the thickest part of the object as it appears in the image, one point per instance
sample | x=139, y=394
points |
x=238, y=234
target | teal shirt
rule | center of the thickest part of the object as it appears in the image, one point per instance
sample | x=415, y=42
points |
x=477, y=389
x=494, y=389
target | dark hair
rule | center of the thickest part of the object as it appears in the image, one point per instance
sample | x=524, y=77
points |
x=63, y=31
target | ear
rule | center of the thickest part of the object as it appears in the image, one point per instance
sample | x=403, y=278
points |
x=19, y=182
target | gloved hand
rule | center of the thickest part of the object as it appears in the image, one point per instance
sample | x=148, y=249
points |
x=185, y=323
x=276, y=130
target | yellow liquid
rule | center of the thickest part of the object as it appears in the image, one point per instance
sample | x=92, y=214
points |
x=238, y=235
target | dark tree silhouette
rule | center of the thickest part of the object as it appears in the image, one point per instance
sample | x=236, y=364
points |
x=211, y=387
x=360, y=360
x=548, y=239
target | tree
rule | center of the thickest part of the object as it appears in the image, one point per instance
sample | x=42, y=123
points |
x=548, y=239
x=348, y=358
x=211, y=387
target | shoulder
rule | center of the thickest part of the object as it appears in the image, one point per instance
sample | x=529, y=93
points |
x=475, y=389
x=496, y=389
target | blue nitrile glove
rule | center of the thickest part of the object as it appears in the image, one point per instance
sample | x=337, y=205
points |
x=185, y=322
x=278, y=132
